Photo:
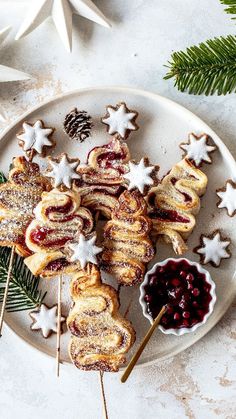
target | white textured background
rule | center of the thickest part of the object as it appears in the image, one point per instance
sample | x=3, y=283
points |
x=199, y=383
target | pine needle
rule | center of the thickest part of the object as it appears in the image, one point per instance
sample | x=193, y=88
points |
x=24, y=292
x=207, y=68
x=232, y=7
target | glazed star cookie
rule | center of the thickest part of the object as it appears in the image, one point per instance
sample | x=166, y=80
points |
x=63, y=170
x=84, y=250
x=45, y=320
x=120, y=120
x=213, y=248
x=35, y=138
x=227, y=196
x=141, y=176
x=198, y=148
x=101, y=337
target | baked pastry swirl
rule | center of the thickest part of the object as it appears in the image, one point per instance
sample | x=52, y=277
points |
x=127, y=246
x=18, y=198
x=173, y=204
x=101, y=179
x=58, y=219
x=101, y=336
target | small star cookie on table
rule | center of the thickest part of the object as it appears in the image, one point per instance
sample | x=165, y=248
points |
x=35, y=138
x=141, y=175
x=84, y=250
x=45, y=320
x=213, y=248
x=63, y=170
x=197, y=149
x=227, y=196
x=120, y=120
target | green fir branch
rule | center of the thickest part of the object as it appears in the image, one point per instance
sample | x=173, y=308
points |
x=23, y=293
x=231, y=9
x=207, y=68
x=3, y=178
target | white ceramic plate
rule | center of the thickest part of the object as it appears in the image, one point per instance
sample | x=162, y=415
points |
x=163, y=125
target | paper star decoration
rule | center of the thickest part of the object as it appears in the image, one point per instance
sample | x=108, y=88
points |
x=45, y=319
x=197, y=149
x=63, y=171
x=61, y=12
x=228, y=198
x=7, y=73
x=35, y=137
x=213, y=248
x=139, y=175
x=84, y=250
x=120, y=120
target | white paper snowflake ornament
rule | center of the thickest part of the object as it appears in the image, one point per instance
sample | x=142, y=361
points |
x=61, y=12
x=227, y=197
x=35, y=138
x=141, y=175
x=45, y=320
x=213, y=248
x=120, y=120
x=63, y=171
x=8, y=74
x=84, y=250
x=197, y=149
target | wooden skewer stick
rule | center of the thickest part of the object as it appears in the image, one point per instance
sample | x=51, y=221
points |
x=6, y=288
x=103, y=394
x=142, y=345
x=58, y=324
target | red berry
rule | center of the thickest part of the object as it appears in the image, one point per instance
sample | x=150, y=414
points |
x=177, y=316
x=195, y=304
x=153, y=280
x=195, y=292
x=185, y=323
x=169, y=309
x=190, y=286
x=164, y=320
x=190, y=277
x=148, y=298
x=183, y=274
x=186, y=314
x=176, y=282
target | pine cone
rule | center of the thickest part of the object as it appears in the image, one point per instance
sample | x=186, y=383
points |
x=78, y=125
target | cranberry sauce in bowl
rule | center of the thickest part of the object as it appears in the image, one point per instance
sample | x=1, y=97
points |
x=185, y=288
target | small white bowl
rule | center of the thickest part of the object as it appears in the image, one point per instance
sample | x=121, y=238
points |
x=183, y=330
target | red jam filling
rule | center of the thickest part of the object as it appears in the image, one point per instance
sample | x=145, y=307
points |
x=57, y=265
x=180, y=287
x=62, y=209
x=40, y=235
x=167, y=215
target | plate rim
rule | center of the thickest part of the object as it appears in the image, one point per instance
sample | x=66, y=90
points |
x=217, y=140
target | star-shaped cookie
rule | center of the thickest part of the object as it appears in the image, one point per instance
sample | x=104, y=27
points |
x=120, y=120
x=63, y=170
x=45, y=319
x=140, y=175
x=84, y=250
x=213, y=248
x=197, y=149
x=35, y=138
x=227, y=197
